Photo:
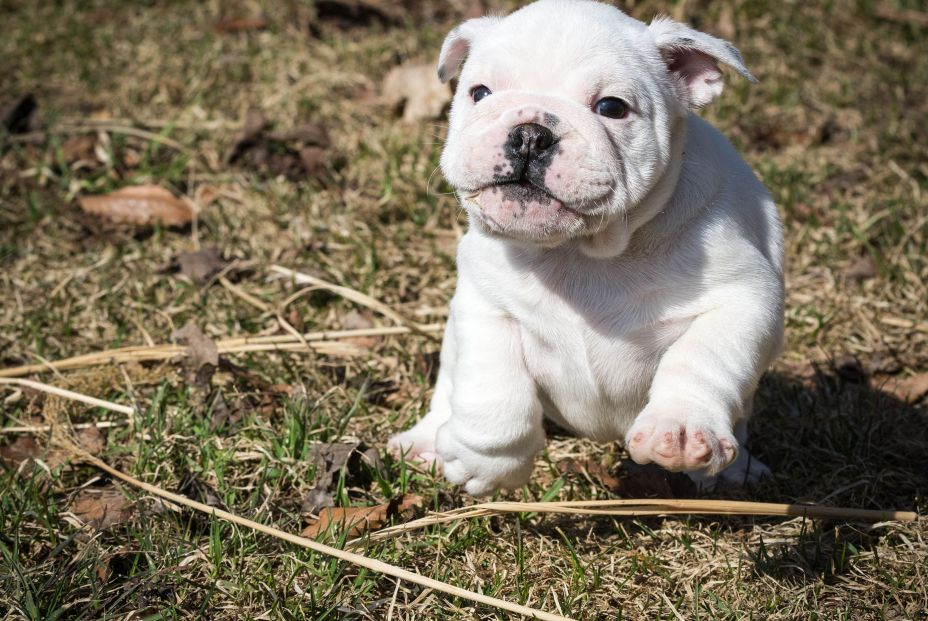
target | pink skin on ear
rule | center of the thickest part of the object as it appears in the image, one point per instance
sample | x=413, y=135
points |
x=699, y=72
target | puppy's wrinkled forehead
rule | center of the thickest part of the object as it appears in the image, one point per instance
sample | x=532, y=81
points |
x=543, y=45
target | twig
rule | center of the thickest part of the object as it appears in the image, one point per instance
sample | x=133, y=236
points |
x=324, y=342
x=64, y=440
x=103, y=424
x=636, y=507
x=68, y=394
x=353, y=295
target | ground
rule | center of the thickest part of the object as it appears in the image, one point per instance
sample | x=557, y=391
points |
x=837, y=128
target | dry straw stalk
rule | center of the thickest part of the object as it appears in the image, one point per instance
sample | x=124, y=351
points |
x=324, y=342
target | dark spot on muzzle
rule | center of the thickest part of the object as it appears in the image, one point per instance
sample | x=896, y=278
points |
x=530, y=148
x=551, y=120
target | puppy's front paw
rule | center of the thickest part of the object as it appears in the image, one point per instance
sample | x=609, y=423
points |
x=484, y=470
x=416, y=445
x=678, y=441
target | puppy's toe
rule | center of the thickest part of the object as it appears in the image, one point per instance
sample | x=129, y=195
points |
x=682, y=443
x=415, y=446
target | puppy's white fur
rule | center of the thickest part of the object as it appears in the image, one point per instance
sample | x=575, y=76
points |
x=634, y=290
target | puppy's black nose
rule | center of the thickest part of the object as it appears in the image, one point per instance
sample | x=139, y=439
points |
x=529, y=140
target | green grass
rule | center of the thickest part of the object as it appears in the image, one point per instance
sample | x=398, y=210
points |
x=835, y=128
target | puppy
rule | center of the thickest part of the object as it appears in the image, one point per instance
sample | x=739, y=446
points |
x=622, y=272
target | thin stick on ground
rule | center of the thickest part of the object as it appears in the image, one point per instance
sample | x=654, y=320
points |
x=326, y=342
x=627, y=507
x=353, y=295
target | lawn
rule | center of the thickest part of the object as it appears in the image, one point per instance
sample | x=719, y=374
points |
x=271, y=119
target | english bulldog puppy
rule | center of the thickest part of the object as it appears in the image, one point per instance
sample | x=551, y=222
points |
x=622, y=272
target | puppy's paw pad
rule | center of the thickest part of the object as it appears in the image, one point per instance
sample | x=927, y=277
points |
x=677, y=444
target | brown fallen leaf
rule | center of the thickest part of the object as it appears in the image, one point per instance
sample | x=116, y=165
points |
x=418, y=90
x=19, y=450
x=313, y=159
x=862, y=269
x=355, y=520
x=91, y=439
x=330, y=460
x=142, y=205
x=202, y=354
x=908, y=389
x=101, y=508
x=292, y=153
x=240, y=24
x=201, y=265
x=79, y=148
x=252, y=129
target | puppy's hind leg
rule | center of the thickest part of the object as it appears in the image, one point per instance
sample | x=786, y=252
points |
x=418, y=443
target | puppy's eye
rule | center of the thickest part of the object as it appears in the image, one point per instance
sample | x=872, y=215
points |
x=611, y=107
x=479, y=92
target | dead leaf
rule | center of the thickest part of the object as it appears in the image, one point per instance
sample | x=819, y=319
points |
x=240, y=24
x=19, y=450
x=201, y=265
x=862, y=269
x=313, y=159
x=202, y=353
x=330, y=460
x=417, y=88
x=225, y=414
x=101, y=508
x=205, y=195
x=909, y=389
x=356, y=520
x=143, y=205
x=252, y=128
x=18, y=116
x=91, y=439
x=292, y=153
x=79, y=149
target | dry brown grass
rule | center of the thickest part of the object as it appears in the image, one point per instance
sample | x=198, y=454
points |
x=836, y=128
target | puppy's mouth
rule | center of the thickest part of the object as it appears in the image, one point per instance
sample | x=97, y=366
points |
x=520, y=209
x=518, y=189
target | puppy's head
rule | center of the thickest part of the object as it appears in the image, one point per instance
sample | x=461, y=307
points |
x=569, y=114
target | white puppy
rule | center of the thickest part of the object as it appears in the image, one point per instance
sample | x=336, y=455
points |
x=622, y=272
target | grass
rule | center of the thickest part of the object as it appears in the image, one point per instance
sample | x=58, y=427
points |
x=836, y=128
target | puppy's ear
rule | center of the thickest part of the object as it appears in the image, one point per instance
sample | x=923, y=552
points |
x=693, y=57
x=458, y=43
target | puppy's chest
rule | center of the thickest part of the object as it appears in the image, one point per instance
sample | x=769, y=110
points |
x=593, y=347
